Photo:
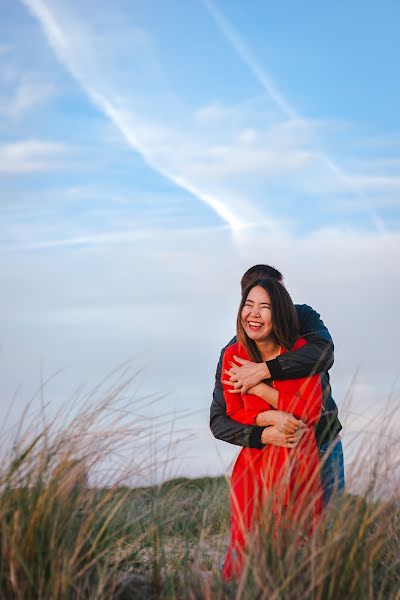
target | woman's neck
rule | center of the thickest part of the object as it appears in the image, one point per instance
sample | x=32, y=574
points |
x=268, y=349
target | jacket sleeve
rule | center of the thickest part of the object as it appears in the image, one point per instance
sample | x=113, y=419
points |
x=304, y=400
x=315, y=357
x=226, y=429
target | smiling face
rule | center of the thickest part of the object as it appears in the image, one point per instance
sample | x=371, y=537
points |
x=256, y=315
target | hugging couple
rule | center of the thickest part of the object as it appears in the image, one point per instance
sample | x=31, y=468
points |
x=273, y=397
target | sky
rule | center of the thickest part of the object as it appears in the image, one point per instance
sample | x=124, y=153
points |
x=151, y=152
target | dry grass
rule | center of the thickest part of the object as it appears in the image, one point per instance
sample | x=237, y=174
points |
x=65, y=533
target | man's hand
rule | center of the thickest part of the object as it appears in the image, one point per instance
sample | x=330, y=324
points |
x=272, y=435
x=246, y=374
x=283, y=421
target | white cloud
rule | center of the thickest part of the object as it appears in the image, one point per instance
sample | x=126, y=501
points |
x=4, y=50
x=374, y=190
x=9, y=73
x=205, y=161
x=74, y=296
x=371, y=183
x=247, y=136
x=30, y=93
x=212, y=113
x=239, y=160
x=100, y=239
x=79, y=49
x=225, y=162
x=263, y=77
x=235, y=39
x=169, y=302
x=30, y=156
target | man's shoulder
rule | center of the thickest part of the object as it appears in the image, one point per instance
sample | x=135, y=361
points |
x=304, y=309
x=233, y=347
x=230, y=343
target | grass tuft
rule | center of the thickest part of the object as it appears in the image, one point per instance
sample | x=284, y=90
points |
x=68, y=532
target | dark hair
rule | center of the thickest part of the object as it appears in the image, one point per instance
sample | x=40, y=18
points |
x=259, y=272
x=285, y=323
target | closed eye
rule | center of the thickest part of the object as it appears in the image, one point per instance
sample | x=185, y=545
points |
x=262, y=305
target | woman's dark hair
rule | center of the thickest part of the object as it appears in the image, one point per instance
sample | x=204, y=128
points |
x=285, y=323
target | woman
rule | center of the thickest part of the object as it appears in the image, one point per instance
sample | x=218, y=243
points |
x=285, y=481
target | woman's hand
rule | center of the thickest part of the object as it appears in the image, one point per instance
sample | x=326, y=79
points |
x=272, y=435
x=283, y=421
x=244, y=374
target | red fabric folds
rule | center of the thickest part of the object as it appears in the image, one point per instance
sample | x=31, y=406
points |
x=273, y=482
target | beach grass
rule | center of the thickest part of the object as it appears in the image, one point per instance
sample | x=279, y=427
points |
x=66, y=531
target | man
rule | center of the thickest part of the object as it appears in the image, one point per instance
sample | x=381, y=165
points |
x=315, y=357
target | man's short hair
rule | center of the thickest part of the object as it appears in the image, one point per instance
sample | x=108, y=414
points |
x=259, y=272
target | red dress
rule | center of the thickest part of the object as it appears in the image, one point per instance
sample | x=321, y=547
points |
x=278, y=479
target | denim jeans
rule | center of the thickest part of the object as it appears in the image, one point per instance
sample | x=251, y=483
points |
x=332, y=469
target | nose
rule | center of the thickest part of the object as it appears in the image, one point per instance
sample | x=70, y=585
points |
x=255, y=311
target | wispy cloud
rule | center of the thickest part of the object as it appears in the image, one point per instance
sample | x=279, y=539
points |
x=31, y=92
x=66, y=41
x=4, y=50
x=252, y=160
x=100, y=299
x=29, y=156
x=124, y=123
x=241, y=48
x=97, y=240
x=86, y=264
x=277, y=96
x=212, y=113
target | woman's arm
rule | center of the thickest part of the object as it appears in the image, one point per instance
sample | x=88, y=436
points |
x=271, y=426
x=228, y=430
x=304, y=401
x=285, y=422
x=235, y=408
x=267, y=393
x=234, y=402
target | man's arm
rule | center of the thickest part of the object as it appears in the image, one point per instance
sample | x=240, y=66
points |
x=315, y=357
x=226, y=429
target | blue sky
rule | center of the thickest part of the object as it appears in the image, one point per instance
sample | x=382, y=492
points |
x=151, y=152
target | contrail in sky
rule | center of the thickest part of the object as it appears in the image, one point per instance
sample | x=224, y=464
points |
x=58, y=36
x=236, y=41
x=58, y=40
x=118, y=119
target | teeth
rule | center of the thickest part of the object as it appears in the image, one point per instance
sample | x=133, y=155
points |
x=252, y=324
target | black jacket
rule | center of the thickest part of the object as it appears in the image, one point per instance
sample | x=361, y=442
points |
x=314, y=357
